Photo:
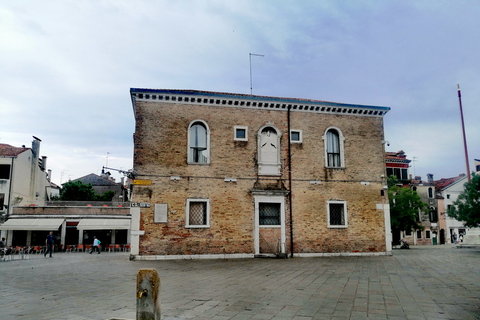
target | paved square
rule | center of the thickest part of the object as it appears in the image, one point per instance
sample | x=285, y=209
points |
x=429, y=282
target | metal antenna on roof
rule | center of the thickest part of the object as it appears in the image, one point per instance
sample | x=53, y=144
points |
x=256, y=55
x=463, y=131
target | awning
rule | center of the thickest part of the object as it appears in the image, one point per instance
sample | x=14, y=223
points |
x=103, y=224
x=32, y=224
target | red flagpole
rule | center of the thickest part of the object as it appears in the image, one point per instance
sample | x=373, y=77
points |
x=463, y=130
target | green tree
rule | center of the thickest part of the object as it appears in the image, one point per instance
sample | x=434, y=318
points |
x=405, y=206
x=107, y=196
x=467, y=206
x=79, y=191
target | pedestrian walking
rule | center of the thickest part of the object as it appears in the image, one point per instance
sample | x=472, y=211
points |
x=96, y=244
x=49, y=244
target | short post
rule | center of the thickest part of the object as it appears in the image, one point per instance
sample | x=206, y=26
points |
x=148, y=295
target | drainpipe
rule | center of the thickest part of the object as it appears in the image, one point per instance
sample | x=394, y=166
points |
x=290, y=182
x=9, y=210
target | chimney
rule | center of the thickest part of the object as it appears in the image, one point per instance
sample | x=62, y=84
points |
x=430, y=177
x=44, y=163
x=36, y=147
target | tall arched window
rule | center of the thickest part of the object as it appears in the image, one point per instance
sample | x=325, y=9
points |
x=269, y=151
x=198, y=142
x=334, y=155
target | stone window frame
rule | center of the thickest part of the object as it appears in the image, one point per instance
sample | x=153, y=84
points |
x=341, y=141
x=428, y=234
x=266, y=168
x=419, y=234
x=236, y=129
x=189, y=155
x=345, y=214
x=187, y=213
x=300, y=135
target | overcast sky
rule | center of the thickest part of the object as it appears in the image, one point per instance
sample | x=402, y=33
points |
x=67, y=66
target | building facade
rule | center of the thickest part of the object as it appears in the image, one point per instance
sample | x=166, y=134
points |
x=23, y=177
x=220, y=174
x=449, y=189
x=27, y=215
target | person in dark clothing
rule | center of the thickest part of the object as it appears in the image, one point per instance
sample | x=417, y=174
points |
x=49, y=244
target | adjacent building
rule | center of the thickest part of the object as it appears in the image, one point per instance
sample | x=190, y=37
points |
x=233, y=175
x=448, y=191
x=23, y=177
x=28, y=214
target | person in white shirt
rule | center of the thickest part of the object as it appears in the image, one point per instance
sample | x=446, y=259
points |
x=96, y=244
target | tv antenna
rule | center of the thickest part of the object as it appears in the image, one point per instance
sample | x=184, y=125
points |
x=255, y=55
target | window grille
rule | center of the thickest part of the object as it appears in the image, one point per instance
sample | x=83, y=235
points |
x=198, y=213
x=269, y=214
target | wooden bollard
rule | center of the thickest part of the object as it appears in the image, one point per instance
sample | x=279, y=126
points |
x=148, y=295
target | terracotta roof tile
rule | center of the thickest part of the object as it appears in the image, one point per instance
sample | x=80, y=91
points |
x=7, y=150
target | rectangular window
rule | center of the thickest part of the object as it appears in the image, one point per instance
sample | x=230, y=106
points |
x=4, y=171
x=419, y=234
x=448, y=196
x=269, y=214
x=296, y=136
x=427, y=234
x=408, y=233
x=240, y=133
x=198, y=213
x=337, y=214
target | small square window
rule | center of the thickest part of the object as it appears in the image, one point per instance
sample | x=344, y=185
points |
x=296, y=136
x=198, y=213
x=240, y=133
x=337, y=214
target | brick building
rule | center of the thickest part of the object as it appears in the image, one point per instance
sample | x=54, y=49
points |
x=213, y=178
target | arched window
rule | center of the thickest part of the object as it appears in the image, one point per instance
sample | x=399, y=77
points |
x=269, y=151
x=334, y=155
x=198, y=142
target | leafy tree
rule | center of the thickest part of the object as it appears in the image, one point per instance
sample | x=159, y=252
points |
x=467, y=206
x=107, y=196
x=77, y=191
x=405, y=205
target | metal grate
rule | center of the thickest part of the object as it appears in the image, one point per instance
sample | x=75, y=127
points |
x=198, y=213
x=337, y=216
x=269, y=214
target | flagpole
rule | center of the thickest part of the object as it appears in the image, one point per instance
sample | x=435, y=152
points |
x=463, y=130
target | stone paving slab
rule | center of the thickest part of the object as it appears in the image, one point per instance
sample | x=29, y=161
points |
x=428, y=282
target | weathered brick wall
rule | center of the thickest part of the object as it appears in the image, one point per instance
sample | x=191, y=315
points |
x=161, y=151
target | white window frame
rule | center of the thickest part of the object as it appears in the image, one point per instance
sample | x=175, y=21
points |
x=345, y=214
x=341, y=142
x=300, y=135
x=257, y=226
x=189, y=157
x=187, y=214
x=269, y=168
x=235, y=129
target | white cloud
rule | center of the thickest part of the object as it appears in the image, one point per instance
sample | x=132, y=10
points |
x=68, y=67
